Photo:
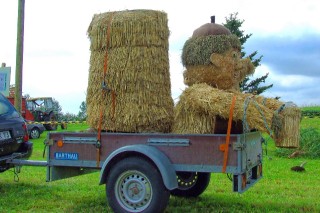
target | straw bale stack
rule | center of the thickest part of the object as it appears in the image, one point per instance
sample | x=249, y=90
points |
x=138, y=72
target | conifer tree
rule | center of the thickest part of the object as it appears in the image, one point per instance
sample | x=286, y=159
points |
x=250, y=86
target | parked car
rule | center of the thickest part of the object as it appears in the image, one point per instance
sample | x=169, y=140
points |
x=35, y=130
x=14, y=138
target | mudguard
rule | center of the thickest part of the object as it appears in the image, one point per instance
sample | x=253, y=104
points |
x=152, y=153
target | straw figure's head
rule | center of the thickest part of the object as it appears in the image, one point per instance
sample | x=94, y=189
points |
x=213, y=56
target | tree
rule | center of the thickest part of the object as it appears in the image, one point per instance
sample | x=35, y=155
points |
x=234, y=24
x=68, y=117
x=56, y=106
x=82, y=115
x=253, y=85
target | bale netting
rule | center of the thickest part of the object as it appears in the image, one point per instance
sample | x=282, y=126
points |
x=197, y=50
x=129, y=28
x=137, y=72
x=286, y=126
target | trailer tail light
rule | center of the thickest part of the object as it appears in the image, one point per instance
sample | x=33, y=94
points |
x=26, y=135
x=60, y=143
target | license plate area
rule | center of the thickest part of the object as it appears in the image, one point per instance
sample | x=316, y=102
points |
x=4, y=135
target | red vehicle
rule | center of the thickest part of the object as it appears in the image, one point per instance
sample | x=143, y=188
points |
x=39, y=110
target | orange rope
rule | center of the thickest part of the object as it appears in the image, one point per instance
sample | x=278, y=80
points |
x=103, y=94
x=226, y=145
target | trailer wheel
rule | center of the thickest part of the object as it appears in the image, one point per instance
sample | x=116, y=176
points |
x=191, y=184
x=135, y=185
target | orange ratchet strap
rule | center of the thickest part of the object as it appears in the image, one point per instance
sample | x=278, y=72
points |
x=104, y=91
x=225, y=147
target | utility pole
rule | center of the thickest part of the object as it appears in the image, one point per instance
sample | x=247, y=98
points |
x=19, y=56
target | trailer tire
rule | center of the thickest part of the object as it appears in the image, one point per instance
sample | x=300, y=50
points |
x=191, y=184
x=135, y=185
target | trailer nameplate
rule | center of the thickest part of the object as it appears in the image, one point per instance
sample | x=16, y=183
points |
x=66, y=156
x=169, y=141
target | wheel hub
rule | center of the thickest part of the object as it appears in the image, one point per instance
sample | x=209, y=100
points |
x=133, y=191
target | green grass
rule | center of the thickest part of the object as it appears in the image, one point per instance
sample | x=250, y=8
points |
x=280, y=190
x=311, y=108
x=311, y=111
x=307, y=122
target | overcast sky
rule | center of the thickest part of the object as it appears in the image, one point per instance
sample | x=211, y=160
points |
x=56, y=46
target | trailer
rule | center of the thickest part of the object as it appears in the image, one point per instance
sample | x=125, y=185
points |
x=141, y=170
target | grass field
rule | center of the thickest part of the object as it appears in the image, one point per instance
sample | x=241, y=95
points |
x=280, y=190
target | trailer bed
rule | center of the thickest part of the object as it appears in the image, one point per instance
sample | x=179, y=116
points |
x=71, y=153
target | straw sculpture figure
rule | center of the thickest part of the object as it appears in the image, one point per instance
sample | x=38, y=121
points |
x=134, y=45
x=214, y=69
